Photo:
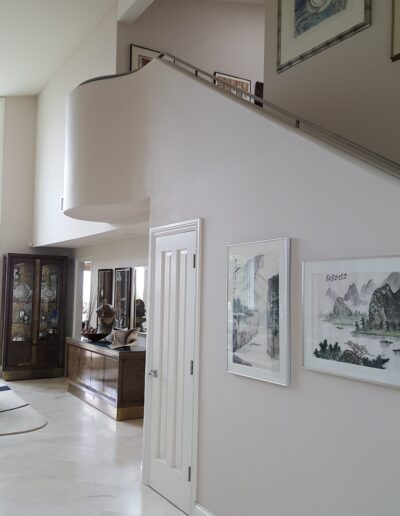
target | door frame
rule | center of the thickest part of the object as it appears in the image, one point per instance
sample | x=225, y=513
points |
x=173, y=229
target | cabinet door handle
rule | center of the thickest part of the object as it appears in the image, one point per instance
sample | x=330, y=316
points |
x=154, y=373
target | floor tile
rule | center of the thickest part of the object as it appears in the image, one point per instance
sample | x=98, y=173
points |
x=83, y=463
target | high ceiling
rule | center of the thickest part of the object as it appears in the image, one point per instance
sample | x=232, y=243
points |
x=38, y=36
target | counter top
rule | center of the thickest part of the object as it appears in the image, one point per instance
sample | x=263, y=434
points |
x=104, y=347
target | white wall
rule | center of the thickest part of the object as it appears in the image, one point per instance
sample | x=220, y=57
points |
x=18, y=174
x=96, y=56
x=351, y=88
x=129, y=252
x=214, y=36
x=326, y=445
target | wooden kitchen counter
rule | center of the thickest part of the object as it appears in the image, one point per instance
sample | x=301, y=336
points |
x=109, y=379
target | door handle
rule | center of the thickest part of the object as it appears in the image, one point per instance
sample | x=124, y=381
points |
x=154, y=373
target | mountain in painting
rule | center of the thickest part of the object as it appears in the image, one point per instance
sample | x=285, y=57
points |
x=384, y=308
x=352, y=295
x=393, y=280
x=331, y=294
x=341, y=310
x=367, y=289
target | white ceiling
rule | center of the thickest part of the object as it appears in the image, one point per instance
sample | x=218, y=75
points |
x=38, y=36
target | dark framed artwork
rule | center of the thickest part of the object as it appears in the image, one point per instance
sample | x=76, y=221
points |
x=104, y=287
x=230, y=83
x=122, y=297
x=259, y=92
x=141, y=56
x=396, y=30
x=307, y=27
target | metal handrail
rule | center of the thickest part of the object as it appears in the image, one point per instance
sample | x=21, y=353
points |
x=361, y=152
x=387, y=165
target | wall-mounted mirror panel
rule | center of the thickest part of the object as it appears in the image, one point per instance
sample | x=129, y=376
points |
x=141, y=297
x=122, y=297
x=104, y=287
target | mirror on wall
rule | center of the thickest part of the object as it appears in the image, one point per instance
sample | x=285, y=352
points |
x=87, y=303
x=104, y=287
x=122, y=297
x=141, y=298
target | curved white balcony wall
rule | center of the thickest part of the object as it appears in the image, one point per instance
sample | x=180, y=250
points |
x=106, y=150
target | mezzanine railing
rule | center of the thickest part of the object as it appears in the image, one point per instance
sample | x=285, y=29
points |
x=361, y=152
x=387, y=165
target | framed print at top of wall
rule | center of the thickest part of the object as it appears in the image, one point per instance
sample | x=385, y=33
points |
x=396, y=30
x=141, y=56
x=352, y=318
x=306, y=27
x=258, y=310
x=236, y=82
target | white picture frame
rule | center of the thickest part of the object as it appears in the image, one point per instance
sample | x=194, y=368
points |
x=258, y=310
x=351, y=311
x=307, y=27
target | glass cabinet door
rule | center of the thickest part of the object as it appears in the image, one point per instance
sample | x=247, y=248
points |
x=49, y=313
x=22, y=312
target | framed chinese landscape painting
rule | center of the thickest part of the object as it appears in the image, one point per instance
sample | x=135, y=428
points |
x=352, y=318
x=258, y=310
x=306, y=27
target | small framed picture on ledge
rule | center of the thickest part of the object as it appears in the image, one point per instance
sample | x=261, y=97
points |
x=235, y=85
x=141, y=56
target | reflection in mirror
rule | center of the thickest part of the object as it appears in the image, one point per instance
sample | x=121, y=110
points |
x=87, y=294
x=104, y=287
x=141, y=297
x=122, y=297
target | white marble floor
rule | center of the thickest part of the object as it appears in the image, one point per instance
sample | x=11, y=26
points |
x=81, y=464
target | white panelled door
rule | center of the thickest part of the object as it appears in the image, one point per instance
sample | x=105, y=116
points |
x=173, y=319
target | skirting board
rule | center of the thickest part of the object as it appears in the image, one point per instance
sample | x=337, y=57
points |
x=200, y=511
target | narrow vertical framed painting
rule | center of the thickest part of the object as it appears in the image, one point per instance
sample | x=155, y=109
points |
x=104, y=287
x=258, y=310
x=307, y=27
x=123, y=296
x=352, y=318
x=396, y=30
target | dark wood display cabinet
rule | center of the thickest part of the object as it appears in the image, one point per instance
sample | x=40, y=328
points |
x=34, y=299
